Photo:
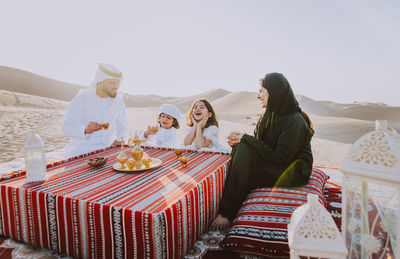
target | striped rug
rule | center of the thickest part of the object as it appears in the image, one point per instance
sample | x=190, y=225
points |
x=99, y=213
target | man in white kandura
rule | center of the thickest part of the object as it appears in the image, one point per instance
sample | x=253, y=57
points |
x=96, y=117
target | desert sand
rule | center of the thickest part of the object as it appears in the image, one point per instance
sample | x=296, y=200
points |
x=33, y=102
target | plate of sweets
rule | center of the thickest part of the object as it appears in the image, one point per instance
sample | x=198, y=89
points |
x=97, y=161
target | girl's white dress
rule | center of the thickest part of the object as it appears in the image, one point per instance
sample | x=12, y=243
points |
x=211, y=133
x=163, y=138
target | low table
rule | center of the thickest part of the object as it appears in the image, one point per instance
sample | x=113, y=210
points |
x=102, y=213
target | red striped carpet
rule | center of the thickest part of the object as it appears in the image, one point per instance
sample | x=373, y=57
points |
x=209, y=240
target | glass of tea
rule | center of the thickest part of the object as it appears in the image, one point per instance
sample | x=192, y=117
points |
x=184, y=160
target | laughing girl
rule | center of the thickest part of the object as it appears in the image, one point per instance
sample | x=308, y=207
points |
x=202, y=131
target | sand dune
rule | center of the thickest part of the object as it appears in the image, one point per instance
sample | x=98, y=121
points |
x=29, y=101
x=20, y=81
x=238, y=103
x=343, y=130
x=356, y=110
x=16, y=80
x=240, y=106
x=24, y=82
x=13, y=99
x=183, y=103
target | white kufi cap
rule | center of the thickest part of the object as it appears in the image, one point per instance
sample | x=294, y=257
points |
x=171, y=110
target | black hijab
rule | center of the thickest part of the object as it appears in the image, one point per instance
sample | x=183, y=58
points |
x=281, y=101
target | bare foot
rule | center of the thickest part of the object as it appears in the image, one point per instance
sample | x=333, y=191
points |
x=220, y=223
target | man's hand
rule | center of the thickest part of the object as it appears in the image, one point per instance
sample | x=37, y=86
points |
x=116, y=143
x=234, y=138
x=92, y=127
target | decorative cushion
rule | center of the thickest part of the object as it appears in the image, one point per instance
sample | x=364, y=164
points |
x=261, y=224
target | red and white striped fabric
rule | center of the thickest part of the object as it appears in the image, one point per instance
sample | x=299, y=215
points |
x=101, y=213
x=261, y=224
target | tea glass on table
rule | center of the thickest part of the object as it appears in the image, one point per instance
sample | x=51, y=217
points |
x=122, y=160
x=146, y=162
x=130, y=163
x=179, y=152
x=184, y=160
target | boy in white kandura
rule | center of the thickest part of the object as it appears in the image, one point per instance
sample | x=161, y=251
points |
x=166, y=133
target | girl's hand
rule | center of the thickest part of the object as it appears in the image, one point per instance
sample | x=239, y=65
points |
x=194, y=121
x=234, y=138
x=202, y=123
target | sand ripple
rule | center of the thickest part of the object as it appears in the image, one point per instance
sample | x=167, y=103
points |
x=15, y=125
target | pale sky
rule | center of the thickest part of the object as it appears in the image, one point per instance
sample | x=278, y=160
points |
x=341, y=51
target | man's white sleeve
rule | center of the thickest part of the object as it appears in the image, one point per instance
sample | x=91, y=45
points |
x=72, y=126
x=122, y=122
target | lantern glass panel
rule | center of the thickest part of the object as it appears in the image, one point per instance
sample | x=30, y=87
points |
x=370, y=217
x=34, y=160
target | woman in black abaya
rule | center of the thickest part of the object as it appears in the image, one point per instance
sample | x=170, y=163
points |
x=278, y=155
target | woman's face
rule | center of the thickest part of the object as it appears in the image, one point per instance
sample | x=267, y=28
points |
x=166, y=121
x=200, y=111
x=263, y=97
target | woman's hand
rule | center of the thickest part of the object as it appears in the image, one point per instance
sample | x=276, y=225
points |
x=234, y=138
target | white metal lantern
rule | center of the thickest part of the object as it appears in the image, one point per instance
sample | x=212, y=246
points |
x=35, y=159
x=312, y=232
x=371, y=195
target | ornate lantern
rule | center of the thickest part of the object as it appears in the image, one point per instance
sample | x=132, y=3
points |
x=371, y=195
x=35, y=159
x=313, y=233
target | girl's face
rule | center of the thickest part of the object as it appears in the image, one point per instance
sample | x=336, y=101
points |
x=263, y=97
x=166, y=121
x=200, y=111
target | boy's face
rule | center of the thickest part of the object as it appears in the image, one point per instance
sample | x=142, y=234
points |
x=166, y=121
x=200, y=111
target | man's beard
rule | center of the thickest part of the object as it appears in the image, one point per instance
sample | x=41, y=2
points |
x=111, y=94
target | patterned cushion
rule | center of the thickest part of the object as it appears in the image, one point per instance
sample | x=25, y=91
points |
x=261, y=224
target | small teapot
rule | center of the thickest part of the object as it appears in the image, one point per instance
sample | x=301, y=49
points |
x=136, y=150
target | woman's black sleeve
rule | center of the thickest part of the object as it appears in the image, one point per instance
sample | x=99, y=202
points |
x=290, y=141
